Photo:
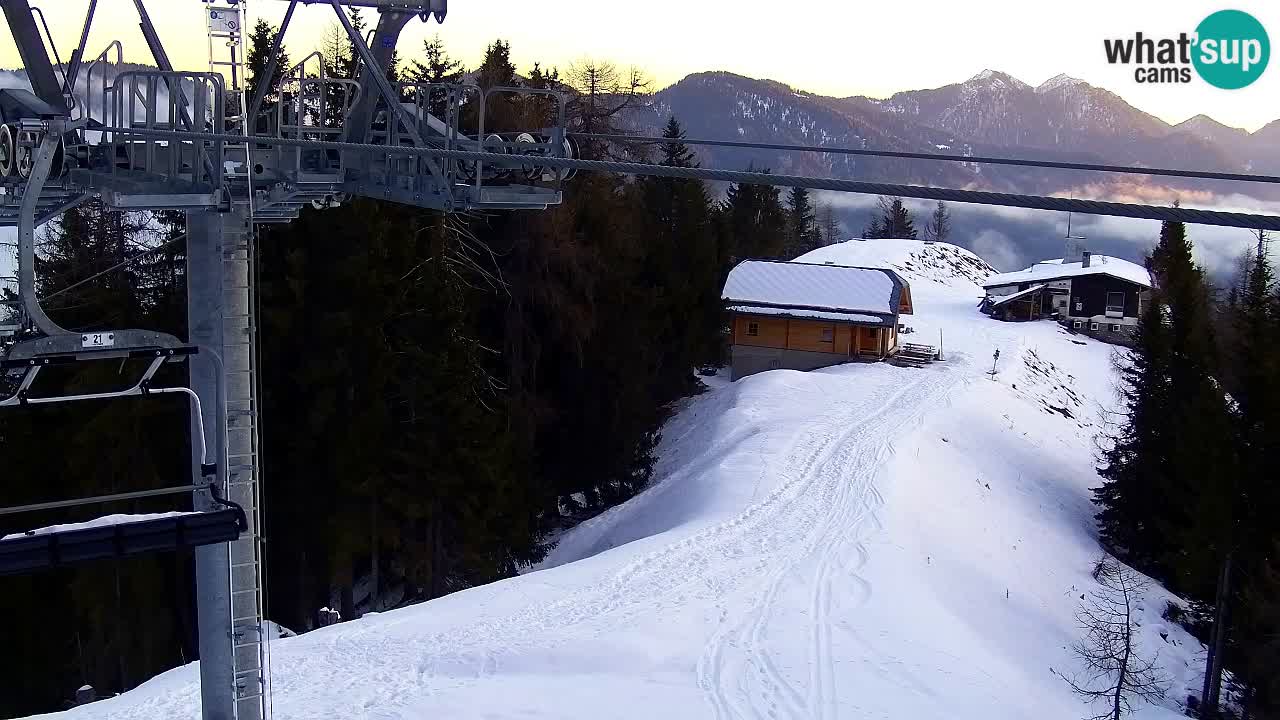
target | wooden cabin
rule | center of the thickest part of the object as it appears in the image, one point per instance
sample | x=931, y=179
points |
x=803, y=316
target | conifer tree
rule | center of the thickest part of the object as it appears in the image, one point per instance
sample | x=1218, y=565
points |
x=436, y=67
x=1255, y=386
x=754, y=222
x=260, y=42
x=1259, y=639
x=802, y=229
x=892, y=221
x=681, y=260
x=1162, y=505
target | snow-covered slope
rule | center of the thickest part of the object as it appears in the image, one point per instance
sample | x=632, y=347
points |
x=864, y=541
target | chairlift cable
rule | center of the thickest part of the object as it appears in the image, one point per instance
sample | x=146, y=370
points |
x=1034, y=202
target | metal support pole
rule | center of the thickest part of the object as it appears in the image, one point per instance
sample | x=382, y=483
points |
x=213, y=562
x=26, y=35
x=77, y=55
x=394, y=111
x=390, y=23
x=27, y=234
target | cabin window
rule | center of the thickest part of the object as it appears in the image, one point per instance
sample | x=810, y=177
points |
x=1093, y=326
x=1079, y=306
x=1115, y=302
x=828, y=335
x=753, y=329
x=1115, y=328
x=1077, y=325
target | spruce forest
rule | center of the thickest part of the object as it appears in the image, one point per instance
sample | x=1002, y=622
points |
x=1189, y=493
x=442, y=394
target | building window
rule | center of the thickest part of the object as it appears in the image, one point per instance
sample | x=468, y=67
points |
x=828, y=335
x=1093, y=326
x=1079, y=306
x=1115, y=302
x=1115, y=328
x=753, y=329
x=1077, y=324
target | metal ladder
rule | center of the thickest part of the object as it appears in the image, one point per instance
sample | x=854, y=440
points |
x=240, y=359
x=226, y=24
x=227, y=49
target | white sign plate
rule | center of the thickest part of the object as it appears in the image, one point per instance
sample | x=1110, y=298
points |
x=223, y=20
x=98, y=340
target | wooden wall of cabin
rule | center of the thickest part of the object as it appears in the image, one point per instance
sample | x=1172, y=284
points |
x=808, y=335
x=770, y=331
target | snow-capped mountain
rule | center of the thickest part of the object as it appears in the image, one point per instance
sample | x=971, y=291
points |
x=721, y=105
x=991, y=113
x=1063, y=114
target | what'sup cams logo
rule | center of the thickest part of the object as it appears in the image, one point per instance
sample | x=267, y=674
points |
x=1229, y=50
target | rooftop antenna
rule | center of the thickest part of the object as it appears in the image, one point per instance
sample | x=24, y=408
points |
x=1069, y=235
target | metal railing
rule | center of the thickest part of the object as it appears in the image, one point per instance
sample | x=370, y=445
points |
x=312, y=106
x=145, y=94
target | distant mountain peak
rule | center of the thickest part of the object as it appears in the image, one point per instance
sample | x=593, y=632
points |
x=1203, y=122
x=1060, y=80
x=1270, y=131
x=996, y=78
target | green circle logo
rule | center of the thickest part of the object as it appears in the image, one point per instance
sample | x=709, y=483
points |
x=1232, y=49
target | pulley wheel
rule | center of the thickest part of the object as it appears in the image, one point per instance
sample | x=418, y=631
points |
x=8, y=151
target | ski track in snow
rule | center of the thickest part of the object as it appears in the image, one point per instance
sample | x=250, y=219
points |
x=755, y=579
x=832, y=510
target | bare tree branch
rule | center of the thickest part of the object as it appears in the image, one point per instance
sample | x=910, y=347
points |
x=1114, y=670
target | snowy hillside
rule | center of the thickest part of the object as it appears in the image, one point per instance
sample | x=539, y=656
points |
x=864, y=541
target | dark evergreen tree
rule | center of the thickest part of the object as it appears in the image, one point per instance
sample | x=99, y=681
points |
x=1259, y=639
x=1169, y=479
x=436, y=67
x=802, y=228
x=892, y=221
x=753, y=223
x=683, y=267
x=1255, y=389
x=260, y=42
x=1130, y=498
x=497, y=68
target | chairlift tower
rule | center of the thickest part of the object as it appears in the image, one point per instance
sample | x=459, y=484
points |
x=153, y=140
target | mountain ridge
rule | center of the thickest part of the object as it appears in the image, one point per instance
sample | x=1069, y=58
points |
x=990, y=113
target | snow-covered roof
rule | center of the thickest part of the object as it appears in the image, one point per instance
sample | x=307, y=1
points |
x=1058, y=270
x=1015, y=296
x=105, y=521
x=815, y=287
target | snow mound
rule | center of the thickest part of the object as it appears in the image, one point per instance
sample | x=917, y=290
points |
x=861, y=541
x=941, y=264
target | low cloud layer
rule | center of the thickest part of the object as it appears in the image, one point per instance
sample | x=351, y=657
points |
x=1013, y=238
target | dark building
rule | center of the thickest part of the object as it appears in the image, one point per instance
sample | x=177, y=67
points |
x=1096, y=295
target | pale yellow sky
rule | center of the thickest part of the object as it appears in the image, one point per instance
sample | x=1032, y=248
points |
x=832, y=47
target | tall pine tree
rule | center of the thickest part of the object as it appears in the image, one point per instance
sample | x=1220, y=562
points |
x=753, y=222
x=893, y=220
x=802, y=227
